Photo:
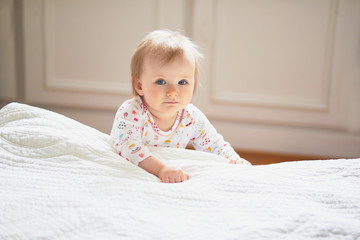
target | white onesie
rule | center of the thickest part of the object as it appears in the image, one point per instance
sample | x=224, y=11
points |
x=134, y=128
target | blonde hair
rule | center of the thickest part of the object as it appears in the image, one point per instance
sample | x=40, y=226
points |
x=167, y=45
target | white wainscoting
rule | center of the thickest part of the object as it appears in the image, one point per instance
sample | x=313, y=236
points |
x=273, y=78
x=273, y=53
x=8, y=84
x=78, y=51
x=278, y=75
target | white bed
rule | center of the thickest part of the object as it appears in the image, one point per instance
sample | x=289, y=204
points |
x=60, y=179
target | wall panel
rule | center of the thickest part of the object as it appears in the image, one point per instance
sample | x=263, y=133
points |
x=283, y=52
x=278, y=76
x=279, y=66
x=80, y=50
x=8, y=75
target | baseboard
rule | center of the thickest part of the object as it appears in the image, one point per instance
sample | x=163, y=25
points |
x=261, y=158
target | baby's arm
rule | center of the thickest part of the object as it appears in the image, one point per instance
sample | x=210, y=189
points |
x=165, y=173
x=240, y=161
x=127, y=139
x=207, y=139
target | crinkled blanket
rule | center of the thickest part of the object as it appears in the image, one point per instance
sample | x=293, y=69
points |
x=60, y=179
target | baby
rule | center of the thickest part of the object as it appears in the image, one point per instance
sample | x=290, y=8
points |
x=164, y=75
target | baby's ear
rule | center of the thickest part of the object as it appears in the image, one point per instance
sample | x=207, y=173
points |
x=138, y=86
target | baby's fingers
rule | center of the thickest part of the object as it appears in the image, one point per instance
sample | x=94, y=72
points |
x=186, y=176
x=180, y=176
x=165, y=179
x=183, y=177
x=243, y=161
x=172, y=175
x=240, y=161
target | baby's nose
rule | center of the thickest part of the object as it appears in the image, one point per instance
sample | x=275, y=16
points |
x=172, y=93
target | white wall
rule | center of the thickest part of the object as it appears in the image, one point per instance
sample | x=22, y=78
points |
x=287, y=71
x=8, y=83
x=278, y=75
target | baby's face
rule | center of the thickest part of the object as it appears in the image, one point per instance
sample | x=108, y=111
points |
x=166, y=88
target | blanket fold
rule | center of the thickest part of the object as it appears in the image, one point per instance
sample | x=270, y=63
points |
x=60, y=179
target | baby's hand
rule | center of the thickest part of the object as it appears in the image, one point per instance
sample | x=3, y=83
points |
x=240, y=161
x=172, y=175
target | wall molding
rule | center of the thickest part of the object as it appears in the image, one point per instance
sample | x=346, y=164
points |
x=269, y=101
x=161, y=18
x=106, y=87
x=322, y=103
x=52, y=82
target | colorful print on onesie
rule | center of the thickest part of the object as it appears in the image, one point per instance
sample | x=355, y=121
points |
x=134, y=129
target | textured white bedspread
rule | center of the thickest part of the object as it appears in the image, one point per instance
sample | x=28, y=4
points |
x=60, y=179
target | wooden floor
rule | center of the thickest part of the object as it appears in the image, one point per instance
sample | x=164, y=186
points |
x=260, y=158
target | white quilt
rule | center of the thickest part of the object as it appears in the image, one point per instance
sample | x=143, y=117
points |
x=60, y=179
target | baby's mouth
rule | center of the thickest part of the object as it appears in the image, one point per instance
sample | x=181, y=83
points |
x=171, y=102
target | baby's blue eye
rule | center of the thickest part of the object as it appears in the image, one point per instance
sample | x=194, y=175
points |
x=183, y=82
x=160, y=82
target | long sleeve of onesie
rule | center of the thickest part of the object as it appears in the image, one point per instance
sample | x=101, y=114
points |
x=134, y=129
x=206, y=138
x=127, y=132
